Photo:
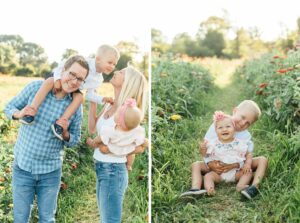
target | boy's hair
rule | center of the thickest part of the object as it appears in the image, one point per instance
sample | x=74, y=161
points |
x=77, y=59
x=134, y=86
x=250, y=105
x=103, y=49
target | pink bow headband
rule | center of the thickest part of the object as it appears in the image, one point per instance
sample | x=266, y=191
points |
x=128, y=103
x=219, y=116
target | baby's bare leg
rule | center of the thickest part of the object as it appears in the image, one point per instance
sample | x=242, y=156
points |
x=198, y=168
x=71, y=109
x=209, y=182
x=130, y=160
x=41, y=94
x=243, y=180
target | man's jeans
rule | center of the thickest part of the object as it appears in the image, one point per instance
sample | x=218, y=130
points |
x=26, y=186
x=112, y=181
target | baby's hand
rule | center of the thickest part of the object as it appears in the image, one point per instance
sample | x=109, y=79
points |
x=203, y=148
x=108, y=100
x=90, y=142
x=246, y=168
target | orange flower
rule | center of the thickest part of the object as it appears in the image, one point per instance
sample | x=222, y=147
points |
x=2, y=179
x=282, y=71
x=276, y=57
x=63, y=185
x=259, y=92
x=74, y=166
x=263, y=85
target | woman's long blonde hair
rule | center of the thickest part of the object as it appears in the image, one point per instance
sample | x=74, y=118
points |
x=134, y=86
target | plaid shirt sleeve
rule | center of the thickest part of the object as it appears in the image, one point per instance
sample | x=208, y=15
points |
x=74, y=128
x=21, y=100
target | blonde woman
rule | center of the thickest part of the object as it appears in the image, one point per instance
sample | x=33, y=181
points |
x=111, y=171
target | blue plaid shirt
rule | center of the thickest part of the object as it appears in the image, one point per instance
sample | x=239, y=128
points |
x=37, y=150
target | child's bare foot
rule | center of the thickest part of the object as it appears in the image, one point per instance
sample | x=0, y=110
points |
x=211, y=191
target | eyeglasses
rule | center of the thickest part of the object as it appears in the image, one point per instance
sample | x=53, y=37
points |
x=73, y=77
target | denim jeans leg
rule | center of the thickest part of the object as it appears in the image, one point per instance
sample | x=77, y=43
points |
x=23, y=185
x=47, y=192
x=112, y=181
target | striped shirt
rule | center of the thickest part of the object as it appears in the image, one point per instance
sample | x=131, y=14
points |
x=37, y=150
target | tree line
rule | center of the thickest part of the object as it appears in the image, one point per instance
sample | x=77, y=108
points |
x=212, y=40
x=21, y=58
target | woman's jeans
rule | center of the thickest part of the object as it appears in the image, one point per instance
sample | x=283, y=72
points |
x=26, y=186
x=112, y=181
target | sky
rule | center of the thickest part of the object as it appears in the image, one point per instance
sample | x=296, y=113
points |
x=271, y=17
x=84, y=25
x=81, y=25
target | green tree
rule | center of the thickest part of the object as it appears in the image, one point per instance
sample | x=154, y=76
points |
x=158, y=42
x=7, y=55
x=15, y=41
x=215, y=42
x=181, y=42
x=68, y=53
x=32, y=53
x=214, y=23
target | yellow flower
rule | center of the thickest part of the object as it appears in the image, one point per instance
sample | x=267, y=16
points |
x=163, y=74
x=175, y=117
x=2, y=188
x=11, y=205
x=153, y=65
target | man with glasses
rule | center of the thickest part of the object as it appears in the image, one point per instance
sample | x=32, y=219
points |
x=104, y=62
x=37, y=152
